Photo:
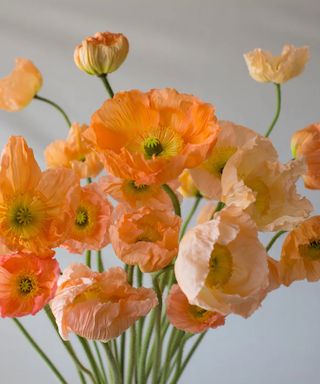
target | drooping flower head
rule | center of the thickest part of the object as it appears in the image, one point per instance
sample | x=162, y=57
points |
x=36, y=208
x=146, y=237
x=102, y=53
x=187, y=317
x=137, y=196
x=151, y=137
x=27, y=284
x=207, y=176
x=264, y=67
x=19, y=88
x=305, y=144
x=90, y=229
x=74, y=153
x=98, y=306
x=300, y=256
x=222, y=266
x=255, y=181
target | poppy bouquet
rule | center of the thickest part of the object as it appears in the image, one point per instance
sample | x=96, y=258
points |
x=143, y=321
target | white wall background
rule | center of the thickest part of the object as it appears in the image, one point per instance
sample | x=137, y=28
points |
x=195, y=47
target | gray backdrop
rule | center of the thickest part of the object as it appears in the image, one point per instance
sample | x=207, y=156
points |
x=195, y=47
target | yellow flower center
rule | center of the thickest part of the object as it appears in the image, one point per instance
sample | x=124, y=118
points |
x=262, y=202
x=82, y=217
x=26, y=285
x=310, y=251
x=220, y=267
x=197, y=312
x=218, y=159
x=157, y=142
x=24, y=216
x=149, y=234
x=152, y=147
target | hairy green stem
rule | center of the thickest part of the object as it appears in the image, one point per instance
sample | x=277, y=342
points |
x=56, y=106
x=190, y=215
x=68, y=346
x=88, y=258
x=107, y=85
x=277, y=113
x=40, y=351
x=114, y=364
x=274, y=239
x=173, y=198
x=158, y=344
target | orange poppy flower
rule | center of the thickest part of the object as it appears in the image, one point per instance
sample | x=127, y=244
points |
x=74, y=153
x=137, y=196
x=187, y=317
x=146, y=237
x=90, y=229
x=306, y=144
x=151, y=137
x=27, y=284
x=98, y=306
x=300, y=256
x=19, y=88
x=36, y=208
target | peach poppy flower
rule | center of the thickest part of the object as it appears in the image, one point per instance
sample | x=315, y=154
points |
x=187, y=317
x=264, y=67
x=90, y=229
x=187, y=186
x=151, y=137
x=27, y=284
x=102, y=53
x=222, y=266
x=137, y=196
x=146, y=237
x=255, y=181
x=207, y=177
x=98, y=306
x=36, y=208
x=305, y=144
x=19, y=88
x=74, y=153
x=300, y=256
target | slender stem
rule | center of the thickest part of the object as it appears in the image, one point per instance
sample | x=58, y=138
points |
x=187, y=359
x=276, y=116
x=93, y=364
x=107, y=85
x=68, y=346
x=130, y=274
x=173, y=198
x=219, y=206
x=114, y=364
x=100, y=262
x=96, y=347
x=40, y=351
x=56, y=106
x=132, y=354
x=82, y=378
x=274, y=239
x=190, y=215
x=178, y=362
x=122, y=354
x=158, y=345
x=89, y=180
x=88, y=258
x=145, y=347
